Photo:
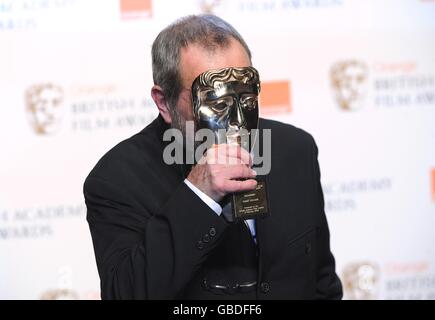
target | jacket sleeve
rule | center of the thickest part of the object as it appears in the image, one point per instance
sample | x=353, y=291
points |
x=148, y=256
x=328, y=285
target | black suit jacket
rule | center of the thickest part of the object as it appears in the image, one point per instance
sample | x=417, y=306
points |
x=156, y=239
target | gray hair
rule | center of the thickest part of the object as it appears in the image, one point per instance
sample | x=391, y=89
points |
x=206, y=30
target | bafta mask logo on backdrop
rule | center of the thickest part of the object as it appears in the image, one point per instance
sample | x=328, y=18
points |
x=361, y=281
x=209, y=6
x=135, y=9
x=349, y=83
x=59, y=294
x=44, y=107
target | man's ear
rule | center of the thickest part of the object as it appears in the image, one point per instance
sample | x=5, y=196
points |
x=162, y=104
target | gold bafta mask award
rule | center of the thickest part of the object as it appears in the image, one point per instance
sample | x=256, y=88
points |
x=225, y=101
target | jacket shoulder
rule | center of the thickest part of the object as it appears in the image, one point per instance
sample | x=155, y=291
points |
x=284, y=133
x=130, y=155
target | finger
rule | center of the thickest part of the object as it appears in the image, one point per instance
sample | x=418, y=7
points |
x=240, y=171
x=230, y=153
x=239, y=185
x=218, y=154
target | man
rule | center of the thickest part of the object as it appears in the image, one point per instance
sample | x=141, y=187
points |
x=159, y=231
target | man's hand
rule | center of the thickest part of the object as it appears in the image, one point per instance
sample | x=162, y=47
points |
x=223, y=169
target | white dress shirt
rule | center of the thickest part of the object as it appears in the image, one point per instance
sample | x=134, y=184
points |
x=216, y=206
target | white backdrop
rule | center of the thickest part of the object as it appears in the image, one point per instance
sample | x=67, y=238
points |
x=75, y=78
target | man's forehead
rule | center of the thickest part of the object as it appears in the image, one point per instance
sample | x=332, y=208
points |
x=195, y=59
x=226, y=77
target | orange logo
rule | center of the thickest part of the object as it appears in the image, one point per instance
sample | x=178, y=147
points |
x=275, y=97
x=433, y=184
x=135, y=9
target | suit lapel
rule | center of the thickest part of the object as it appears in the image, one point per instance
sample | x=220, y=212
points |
x=271, y=230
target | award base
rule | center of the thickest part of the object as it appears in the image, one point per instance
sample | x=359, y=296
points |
x=251, y=204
